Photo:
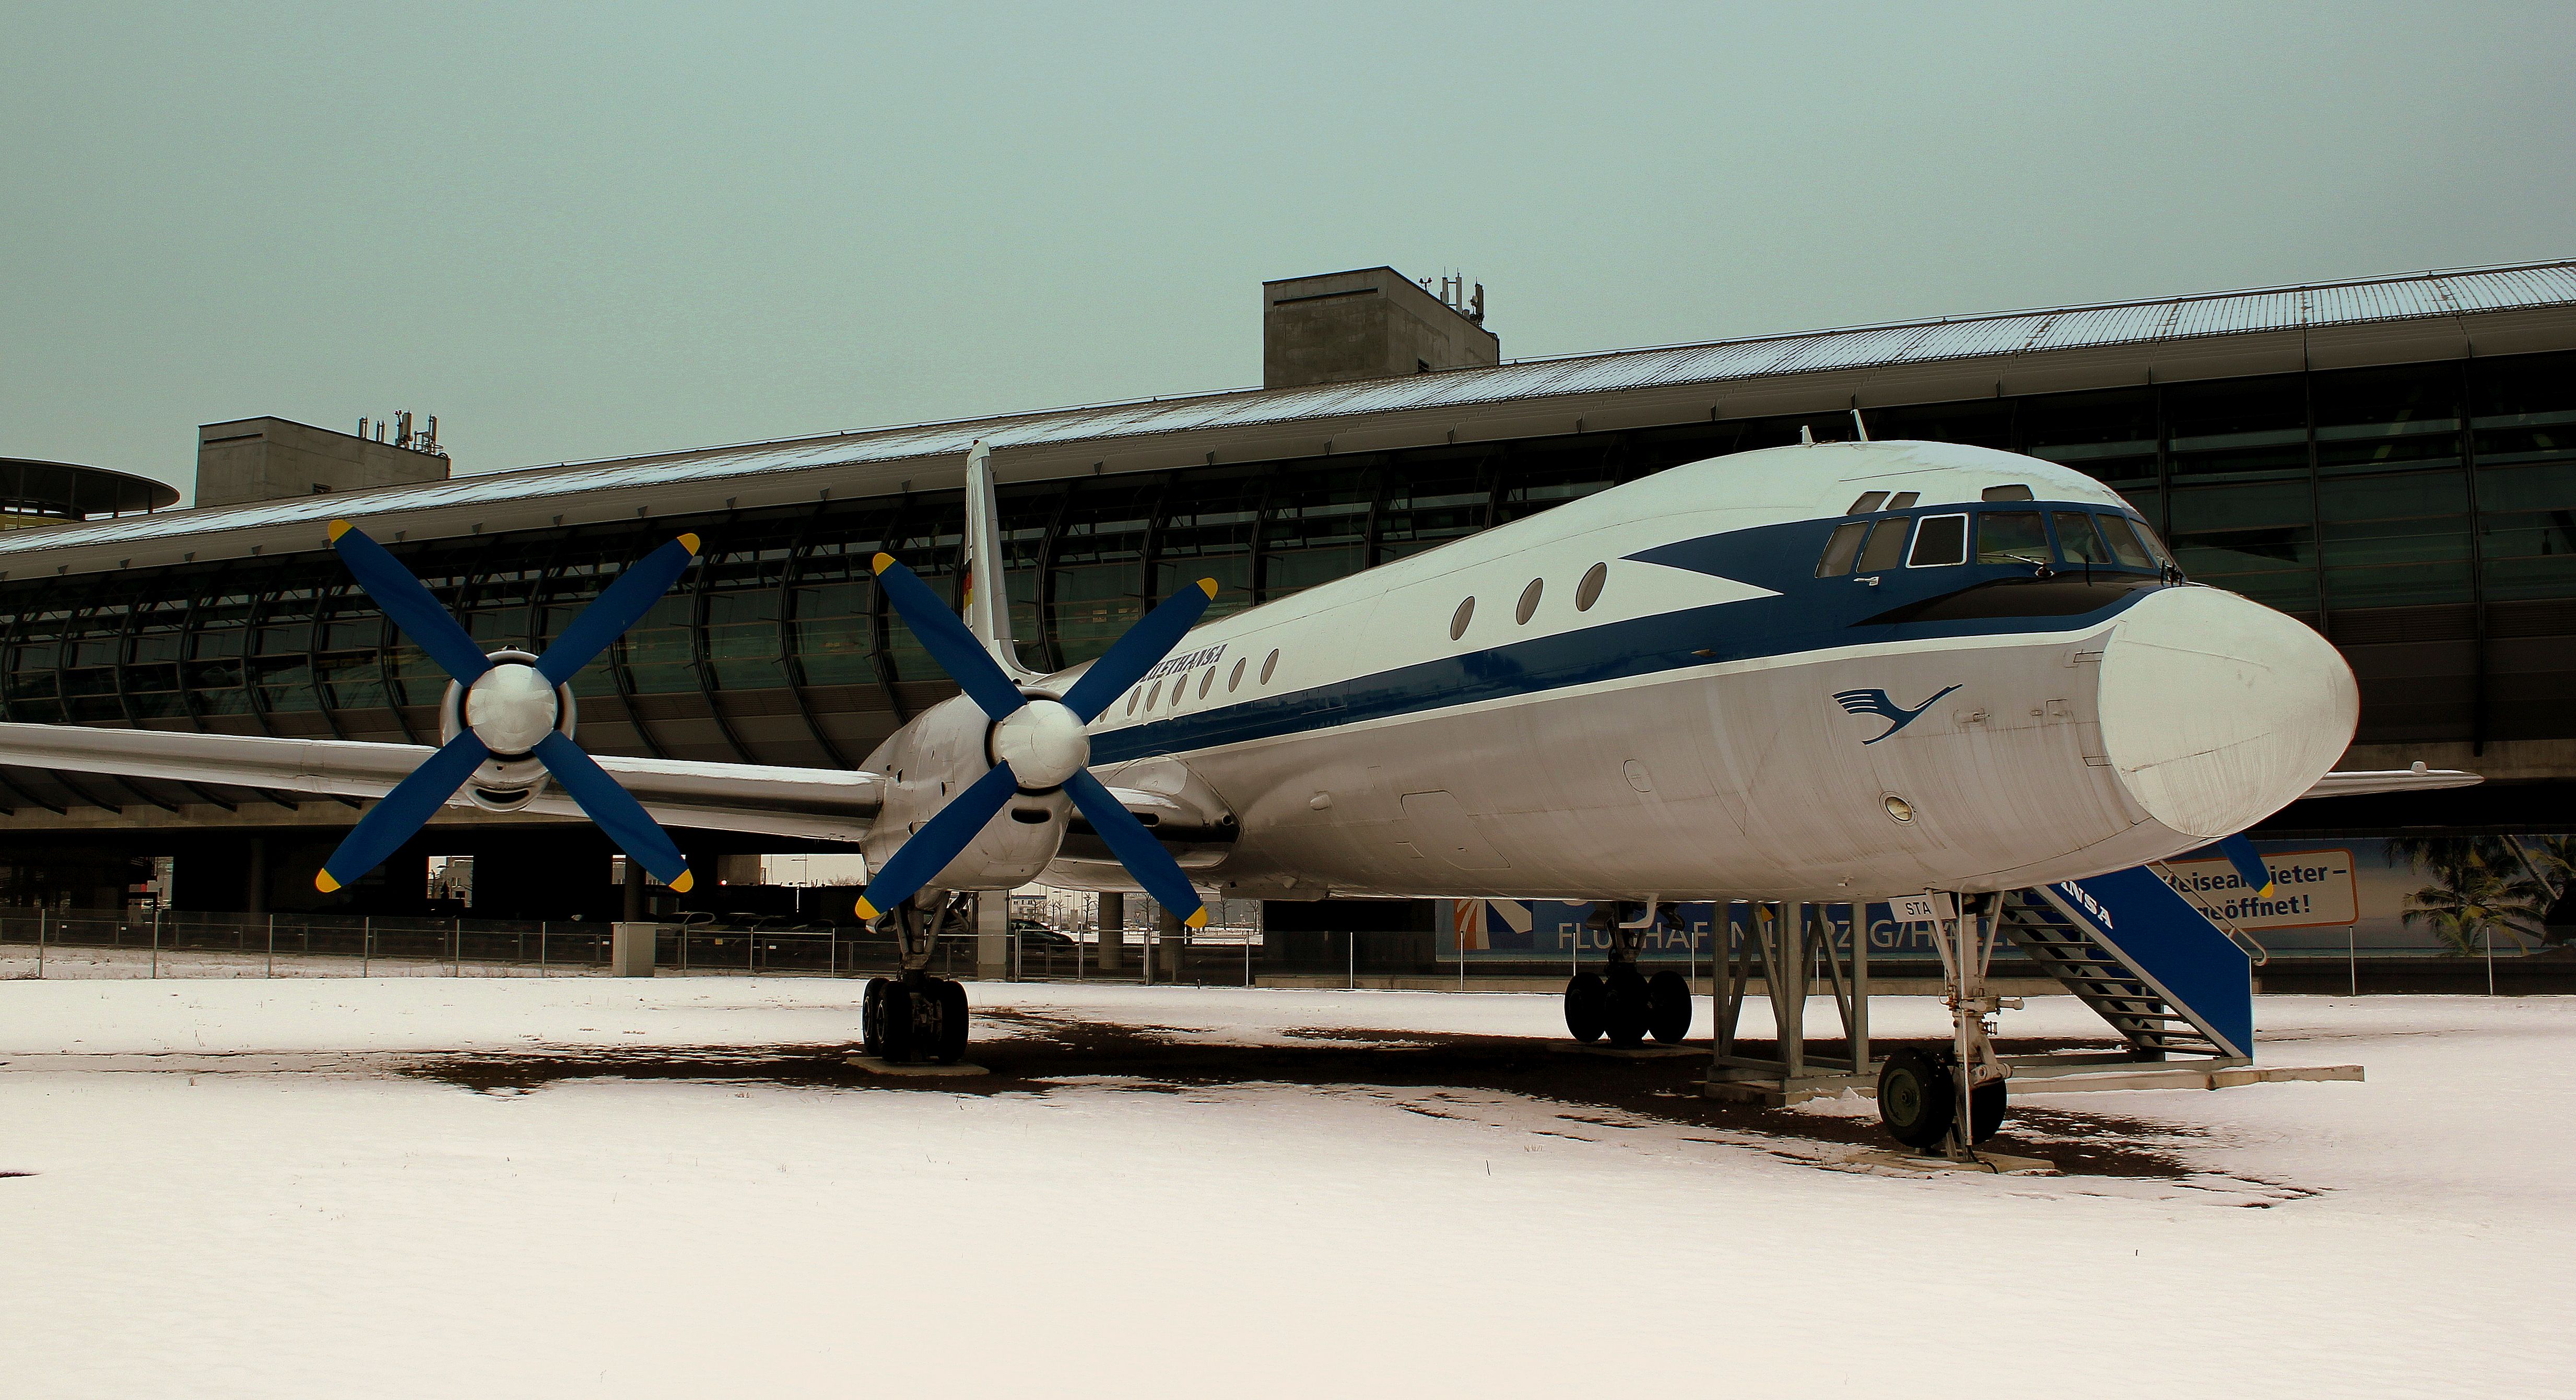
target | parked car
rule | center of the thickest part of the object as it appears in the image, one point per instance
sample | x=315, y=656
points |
x=1033, y=934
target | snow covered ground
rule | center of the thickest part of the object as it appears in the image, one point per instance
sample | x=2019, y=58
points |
x=585, y=1186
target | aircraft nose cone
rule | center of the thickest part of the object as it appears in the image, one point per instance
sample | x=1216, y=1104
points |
x=2218, y=711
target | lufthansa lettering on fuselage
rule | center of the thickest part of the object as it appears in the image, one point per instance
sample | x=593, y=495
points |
x=1205, y=656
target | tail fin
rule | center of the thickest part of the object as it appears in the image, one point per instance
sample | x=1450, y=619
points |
x=987, y=602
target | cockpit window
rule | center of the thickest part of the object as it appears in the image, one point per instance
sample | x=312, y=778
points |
x=1868, y=502
x=1886, y=546
x=2076, y=541
x=2011, y=536
x=1904, y=500
x=1943, y=539
x=2125, y=544
x=1841, y=548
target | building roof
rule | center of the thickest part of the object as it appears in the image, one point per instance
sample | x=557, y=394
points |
x=2429, y=296
x=75, y=490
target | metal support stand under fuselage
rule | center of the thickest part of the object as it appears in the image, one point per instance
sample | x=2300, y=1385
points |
x=1788, y=941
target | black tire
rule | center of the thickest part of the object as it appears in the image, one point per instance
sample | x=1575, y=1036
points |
x=952, y=1022
x=1584, y=1016
x=872, y=1018
x=894, y=1023
x=1918, y=1099
x=1625, y=1013
x=1985, y=1110
x=1668, y=1007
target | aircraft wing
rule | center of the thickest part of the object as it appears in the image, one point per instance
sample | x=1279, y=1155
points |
x=818, y=803
x=2354, y=783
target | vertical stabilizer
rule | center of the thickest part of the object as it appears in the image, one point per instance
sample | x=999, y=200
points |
x=987, y=600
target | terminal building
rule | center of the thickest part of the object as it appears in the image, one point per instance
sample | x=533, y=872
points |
x=2393, y=461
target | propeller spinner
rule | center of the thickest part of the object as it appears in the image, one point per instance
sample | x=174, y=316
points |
x=1038, y=744
x=512, y=709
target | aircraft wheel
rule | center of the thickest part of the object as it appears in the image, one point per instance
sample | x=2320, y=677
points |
x=1625, y=1009
x=1917, y=1099
x=872, y=1018
x=1986, y=1110
x=952, y=1022
x=895, y=1023
x=1668, y=1007
x=1583, y=1007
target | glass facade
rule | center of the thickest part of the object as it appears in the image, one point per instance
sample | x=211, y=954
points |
x=2421, y=516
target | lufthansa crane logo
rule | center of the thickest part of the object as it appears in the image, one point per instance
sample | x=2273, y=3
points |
x=1875, y=702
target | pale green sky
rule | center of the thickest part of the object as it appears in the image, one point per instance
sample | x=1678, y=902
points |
x=586, y=231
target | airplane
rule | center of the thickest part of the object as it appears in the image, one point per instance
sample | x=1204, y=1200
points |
x=1828, y=672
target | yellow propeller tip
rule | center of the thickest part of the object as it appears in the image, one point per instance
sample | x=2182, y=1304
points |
x=867, y=911
x=882, y=563
x=322, y=881
x=1197, y=919
x=689, y=543
x=1208, y=587
x=337, y=529
x=2264, y=893
x=681, y=882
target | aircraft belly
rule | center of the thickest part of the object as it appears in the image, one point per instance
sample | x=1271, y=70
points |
x=1750, y=782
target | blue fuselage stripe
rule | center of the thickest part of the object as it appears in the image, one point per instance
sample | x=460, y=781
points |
x=1807, y=614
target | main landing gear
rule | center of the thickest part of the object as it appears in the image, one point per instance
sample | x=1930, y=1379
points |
x=917, y=1018
x=1623, y=1003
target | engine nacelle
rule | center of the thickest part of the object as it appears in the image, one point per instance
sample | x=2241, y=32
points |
x=931, y=760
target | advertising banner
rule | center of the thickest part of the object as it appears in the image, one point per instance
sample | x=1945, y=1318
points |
x=2311, y=888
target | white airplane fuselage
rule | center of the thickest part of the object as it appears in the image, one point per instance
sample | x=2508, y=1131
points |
x=1723, y=717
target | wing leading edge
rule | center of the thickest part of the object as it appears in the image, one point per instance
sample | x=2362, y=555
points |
x=814, y=803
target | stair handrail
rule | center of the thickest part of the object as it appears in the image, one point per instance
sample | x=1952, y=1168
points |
x=2252, y=947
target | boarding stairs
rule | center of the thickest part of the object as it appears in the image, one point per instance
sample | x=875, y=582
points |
x=2147, y=960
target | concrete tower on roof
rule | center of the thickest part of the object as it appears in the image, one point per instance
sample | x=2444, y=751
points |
x=1372, y=323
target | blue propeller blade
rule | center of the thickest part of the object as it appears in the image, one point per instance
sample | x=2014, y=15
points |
x=951, y=645
x=403, y=811
x=615, y=810
x=940, y=840
x=413, y=608
x=2249, y=865
x=1141, y=650
x=1136, y=849
x=620, y=606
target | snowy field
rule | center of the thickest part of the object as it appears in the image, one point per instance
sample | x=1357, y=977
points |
x=417, y=1187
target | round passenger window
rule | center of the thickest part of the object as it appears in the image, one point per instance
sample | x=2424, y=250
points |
x=1131, y=698
x=1205, y=681
x=1237, y=678
x=1154, y=698
x=1529, y=601
x=1458, y=619
x=1588, y=592
x=1269, y=665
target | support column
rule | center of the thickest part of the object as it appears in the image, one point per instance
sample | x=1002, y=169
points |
x=993, y=935
x=632, y=909
x=1789, y=988
x=1113, y=931
x=1167, y=932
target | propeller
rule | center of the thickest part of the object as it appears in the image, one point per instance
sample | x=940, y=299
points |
x=511, y=710
x=1038, y=744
